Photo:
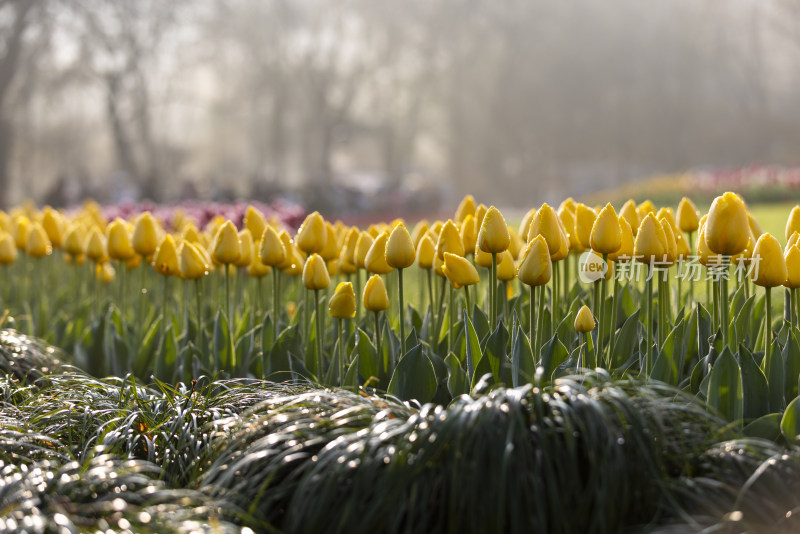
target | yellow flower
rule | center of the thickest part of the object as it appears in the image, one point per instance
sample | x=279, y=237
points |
x=375, y=262
x=257, y=269
x=38, y=244
x=296, y=265
x=606, y=236
x=400, y=251
x=165, y=261
x=331, y=249
x=567, y=217
x=449, y=241
x=505, y=268
x=792, y=259
x=793, y=239
x=133, y=262
x=105, y=272
x=629, y=213
x=190, y=233
x=363, y=246
x=584, y=321
x=311, y=235
x=547, y=224
x=227, y=247
x=74, y=240
x=644, y=208
x=525, y=225
x=53, y=224
x=21, y=227
x=245, y=249
x=8, y=250
x=493, y=236
x=255, y=222
x=683, y=247
x=516, y=244
x=119, y=241
x=191, y=262
x=467, y=207
x=584, y=222
x=771, y=268
x=704, y=255
x=480, y=213
x=375, y=297
x=315, y=273
x=343, y=302
x=727, y=227
x=289, y=252
x=688, y=218
x=459, y=270
x=145, y=234
x=535, y=269
x=651, y=243
x=270, y=249
x=469, y=235
x=625, y=251
x=755, y=228
x=793, y=223
x=95, y=247
x=427, y=251
x=420, y=229
x=672, y=247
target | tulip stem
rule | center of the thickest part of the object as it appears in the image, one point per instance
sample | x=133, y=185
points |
x=358, y=293
x=378, y=336
x=430, y=295
x=554, y=298
x=602, y=310
x=566, y=280
x=796, y=317
x=440, y=313
x=724, y=308
x=768, y=322
x=452, y=330
x=691, y=278
x=340, y=366
x=402, y=313
x=649, y=321
x=531, y=316
x=613, y=322
x=492, y=291
x=466, y=295
x=540, y=323
x=318, y=325
x=275, y=302
x=228, y=299
x=505, y=300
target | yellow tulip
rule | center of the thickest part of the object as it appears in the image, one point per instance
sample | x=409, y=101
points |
x=629, y=213
x=505, y=268
x=606, y=236
x=119, y=241
x=567, y=217
x=459, y=270
x=535, y=268
x=95, y=247
x=493, y=237
x=484, y=259
x=516, y=244
x=584, y=320
x=21, y=227
x=727, y=227
x=644, y=208
x=688, y=218
x=755, y=228
x=53, y=224
x=469, y=234
x=420, y=229
x=792, y=259
x=165, y=261
x=133, y=262
x=436, y=229
x=672, y=247
x=191, y=262
x=255, y=222
x=480, y=213
x=400, y=251
x=426, y=252
x=105, y=272
x=315, y=273
x=466, y=207
x=5, y=223
x=257, y=269
x=311, y=235
x=245, y=249
x=38, y=244
x=375, y=297
x=74, y=240
x=651, y=243
x=363, y=246
x=270, y=249
x=449, y=241
x=584, y=222
x=331, y=249
x=625, y=250
x=683, y=247
x=525, y=225
x=343, y=302
x=227, y=247
x=190, y=233
x=704, y=254
x=375, y=262
x=295, y=265
x=145, y=234
x=771, y=268
x=8, y=250
x=793, y=223
x=547, y=224
x=793, y=239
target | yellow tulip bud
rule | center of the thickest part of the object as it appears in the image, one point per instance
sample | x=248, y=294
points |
x=74, y=240
x=644, y=208
x=469, y=234
x=343, y=302
x=704, y=255
x=145, y=234
x=296, y=265
x=375, y=297
x=793, y=239
x=311, y=235
x=95, y=247
x=315, y=273
x=255, y=222
x=688, y=218
x=584, y=222
x=363, y=246
x=8, y=249
x=245, y=249
x=467, y=207
x=190, y=233
x=793, y=223
x=331, y=249
x=227, y=246
x=420, y=229
x=525, y=225
x=484, y=259
x=119, y=241
x=755, y=228
x=682, y=246
x=516, y=244
x=133, y=262
x=165, y=261
x=629, y=213
x=21, y=227
x=345, y=264
x=792, y=259
x=435, y=230
x=667, y=214
x=38, y=244
x=375, y=262
x=535, y=268
x=459, y=270
x=257, y=269
x=493, y=236
x=672, y=247
x=606, y=235
x=651, y=243
x=105, y=272
x=270, y=249
x=625, y=250
x=427, y=251
x=5, y=224
x=400, y=251
x=480, y=213
x=568, y=204
x=449, y=241
x=289, y=252
x=53, y=224
x=191, y=262
x=567, y=218
x=727, y=227
x=771, y=268
x=547, y=224
x=584, y=320
x=505, y=268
